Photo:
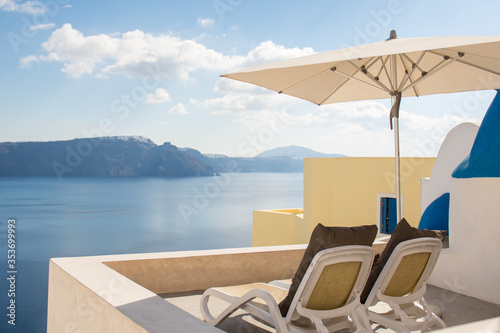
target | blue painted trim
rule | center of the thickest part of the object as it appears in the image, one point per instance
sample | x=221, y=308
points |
x=484, y=158
x=436, y=216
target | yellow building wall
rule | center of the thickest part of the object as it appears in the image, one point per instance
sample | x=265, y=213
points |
x=278, y=227
x=343, y=192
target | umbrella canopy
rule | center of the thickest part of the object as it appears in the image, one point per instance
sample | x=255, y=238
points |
x=367, y=72
x=394, y=68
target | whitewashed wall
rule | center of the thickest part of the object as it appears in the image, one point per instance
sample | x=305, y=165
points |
x=455, y=147
x=471, y=265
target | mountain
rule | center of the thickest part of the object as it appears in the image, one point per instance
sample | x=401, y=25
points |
x=267, y=164
x=295, y=152
x=169, y=161
x=223, y=163
x=131, y=156
x=125, y=156
x=285, y=159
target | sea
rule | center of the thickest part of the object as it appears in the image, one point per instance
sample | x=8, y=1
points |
x=45, y=217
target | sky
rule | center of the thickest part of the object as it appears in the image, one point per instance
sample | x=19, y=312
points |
x=77, y=69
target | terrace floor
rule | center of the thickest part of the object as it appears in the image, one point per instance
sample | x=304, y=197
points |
x=456, y=309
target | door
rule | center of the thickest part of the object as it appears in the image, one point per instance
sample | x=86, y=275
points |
x=388, y=215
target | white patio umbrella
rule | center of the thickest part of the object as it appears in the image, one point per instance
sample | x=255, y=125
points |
x=394, y=68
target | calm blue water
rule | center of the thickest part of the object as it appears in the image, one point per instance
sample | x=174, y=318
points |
x=97, y=216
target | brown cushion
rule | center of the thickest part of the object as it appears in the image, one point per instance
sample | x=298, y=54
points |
x=403, y=232
x=323, y=238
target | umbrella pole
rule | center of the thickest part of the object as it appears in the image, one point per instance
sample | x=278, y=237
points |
x=396, y=99
x=398, y=180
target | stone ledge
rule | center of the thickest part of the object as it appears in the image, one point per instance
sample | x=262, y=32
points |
x=108, y=293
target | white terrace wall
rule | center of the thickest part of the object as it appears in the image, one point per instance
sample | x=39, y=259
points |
x=471, y=266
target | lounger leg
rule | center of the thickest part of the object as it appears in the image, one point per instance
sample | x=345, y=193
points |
x=205, y=311
x=318, y=323
x=360, y=319
x=392, y=324
x=439, y=321
x=436, y=321
x=273, y=317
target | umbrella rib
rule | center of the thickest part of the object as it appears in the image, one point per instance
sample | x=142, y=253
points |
x=304, y=81
x=478, y=67
x=414, y=67
x=337, y=88
x=371, y=85
x=474, y=56
x=433, y=71
x=364, y=70
x=387, y=73
x=347, y=77
x=458, y=59
x=377, y=77
x=373, y=62
x=408, y=76
x=381, y=67
x=436, y=67
x=416, y=64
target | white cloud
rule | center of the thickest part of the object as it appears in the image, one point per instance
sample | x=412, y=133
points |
x=160, y=95
x=45, y=26
x=248, y=101
x=136, y=53
x=354, y=126
x=419, y=135
x=29, y=7
x=275, y=120
x=79, y=54
x=26, y=61
x=234, y=103
x=249, y=104
x=205, y=22
x=178, y=108
x=357, y=110
x=348, y=137
x=133, y=53
x=268, y=52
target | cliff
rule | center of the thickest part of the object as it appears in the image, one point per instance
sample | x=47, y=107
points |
x=98, y=157
x=130, y=156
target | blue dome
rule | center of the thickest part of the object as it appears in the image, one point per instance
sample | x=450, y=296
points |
x=484, y=158
x=436, y=215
